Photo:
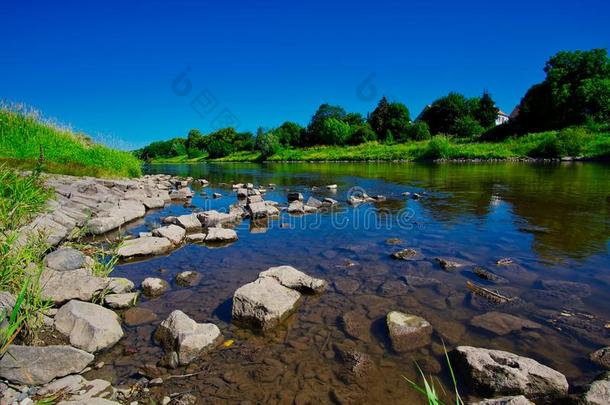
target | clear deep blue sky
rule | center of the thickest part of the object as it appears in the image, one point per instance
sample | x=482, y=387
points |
x=107, y=67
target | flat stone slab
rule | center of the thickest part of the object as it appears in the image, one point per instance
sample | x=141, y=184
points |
x=172, y=232
x=408, y=332
x=63, y=286
x=264, y=303
x=144, y=247
x=292, y=278
x=220, y=235
x=189, y=222
x=186, y=337
x=35, y=365
x=496, y=372
x=121, y=301
x=89, y=326
x=196, y=237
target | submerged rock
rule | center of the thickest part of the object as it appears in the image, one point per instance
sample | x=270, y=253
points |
x=496, y=372
x=408, y=332
x=186, y=337
x=35, y=365
x=488, y=275
x=448, y=264
x=501, y=323
x=292, y=278
x=187, y=278
x=139, y=316
x=601, y=357
x=263, y=303
x=356, y=325
x=406, y=254
x=89, y=326
x=154, y=287
x=144, y=247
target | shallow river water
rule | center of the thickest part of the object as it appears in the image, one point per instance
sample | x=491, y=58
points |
x=552, y=220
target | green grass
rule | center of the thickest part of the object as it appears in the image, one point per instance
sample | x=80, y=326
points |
x=552, y=144
x=23, y=134
x=21, y=197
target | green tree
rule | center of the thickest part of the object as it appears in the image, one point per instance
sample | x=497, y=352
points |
x=576, y=88
x=419, y=131
x=467, y=127
x=314, y=129
x=194, y=140
x=442, y=116
x=267, y=143
x=361, y=134
x=289, y=134
x=334, y=132
x=486, y=111
x=390, y=118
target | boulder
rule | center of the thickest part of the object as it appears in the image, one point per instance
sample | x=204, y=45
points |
x=214, y=218
x=496, y=372
x=292, y=278
x=195, y=237
x=262, y=210
x=515, y=400
x=263, y=303
x=101, y=225
x=66, y=258
x=186, y=337
x=598, y=392
x=172, y=232
x=153, y=287
x=501, y=323
x=254, y=199
x=601, y=357
x=63, y=286
x=296, y=207
x=144, y=247
x=153, y=202
x=89, y=326
x=121, y=301
x=119, y=285
x=35, y=365
x=408, y=332
x=220, y=235
x=314, y=202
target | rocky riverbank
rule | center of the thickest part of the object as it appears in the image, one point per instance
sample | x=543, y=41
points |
x=90, y=308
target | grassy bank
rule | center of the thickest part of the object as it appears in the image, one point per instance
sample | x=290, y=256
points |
x=24, y=133
x=20, y=262
x=552, y=144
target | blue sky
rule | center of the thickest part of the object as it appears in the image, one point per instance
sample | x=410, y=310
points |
x=108, y=68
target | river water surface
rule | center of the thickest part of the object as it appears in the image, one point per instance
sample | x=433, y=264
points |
x=552, y=220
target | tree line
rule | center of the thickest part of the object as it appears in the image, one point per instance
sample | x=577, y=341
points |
x=575, y=91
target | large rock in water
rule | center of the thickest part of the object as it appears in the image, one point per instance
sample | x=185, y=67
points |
x=172, y=232
x=292, y=278
x=63, y=286
x=220, y=235
x=516, y=400
x=89, y=326
x=144, y=247
x=263, y=303
x=35, y=365
x=186, y=337
x=598, y=392
x=601, y=357
x=408, y=332
x=496, y=372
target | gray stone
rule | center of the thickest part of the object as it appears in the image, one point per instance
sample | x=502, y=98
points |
x=119, y=285
x=406, y=254
x=138, y=316
x=66, y=258
x=62, y=286
x=196, y=237
x=174, y=233
x=121, y=301
x=144, y=247
x=187, y=278
x=408, y=332
x=496, y=372
x=263, y=303
x=313, y=202
x=220, y=235
x=296, y=207
x=77, y=389
x=186, y=337
x=216, y=195
x=448, y=264
x=292, y=278
x=7, y=302
x=189, y=222
x=154, y=287
x=35, y=365
x=515, y=400
x=101, y=225
x=262, y=210
x=89, y=326
x=598, y=393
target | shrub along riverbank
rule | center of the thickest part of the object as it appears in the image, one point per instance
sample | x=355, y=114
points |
x=24, y=136
x=577, y=141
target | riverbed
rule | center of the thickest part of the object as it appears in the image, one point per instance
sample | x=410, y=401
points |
x=552, y=220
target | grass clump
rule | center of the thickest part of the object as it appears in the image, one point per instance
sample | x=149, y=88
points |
x=25, y=136
x=21, y=197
